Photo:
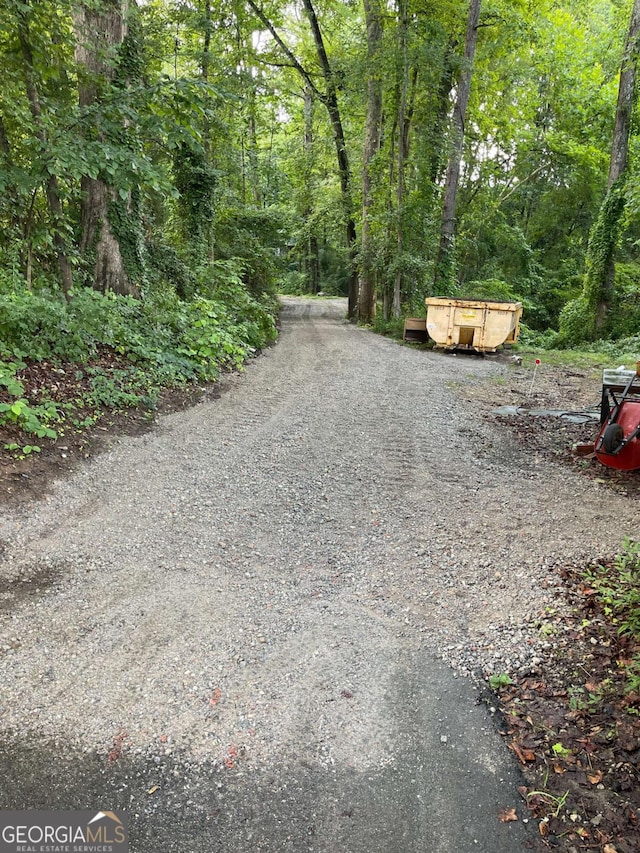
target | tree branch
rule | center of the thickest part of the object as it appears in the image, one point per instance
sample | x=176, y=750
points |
x=273, y=64
x=285, y=49
x=505, y=195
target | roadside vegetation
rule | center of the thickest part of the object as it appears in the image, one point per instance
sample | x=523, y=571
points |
x=93, y=353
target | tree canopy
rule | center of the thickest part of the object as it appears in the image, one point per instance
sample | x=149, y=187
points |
x=144, y=145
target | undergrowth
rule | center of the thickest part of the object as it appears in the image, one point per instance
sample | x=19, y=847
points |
x=160, y=341
x=617, y=586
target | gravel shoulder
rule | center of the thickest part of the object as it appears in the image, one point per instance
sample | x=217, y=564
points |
x=246, y=594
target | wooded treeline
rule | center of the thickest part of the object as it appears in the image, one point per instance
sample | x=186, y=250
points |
x=385, y=151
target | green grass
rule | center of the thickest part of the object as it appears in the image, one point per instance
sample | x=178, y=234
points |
x=584, y=359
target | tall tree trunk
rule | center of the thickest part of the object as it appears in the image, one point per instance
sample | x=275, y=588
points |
x=206, y=128
x=373, y=17
x=252, y=152
x=206, y=47
x=206, y=64
x=403, y=141
x=601, y=270
x=443, y=93
x=331, y=102
x=626, y=97
x=387, y=287
x=311, y=260
x=52, y=188
x=100, y=30
x=445, y=260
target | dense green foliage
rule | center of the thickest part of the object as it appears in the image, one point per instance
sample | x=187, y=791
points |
x=536, y=148
x=118, y=158
x=185, y=153
x=161, y=341
x=180, y=340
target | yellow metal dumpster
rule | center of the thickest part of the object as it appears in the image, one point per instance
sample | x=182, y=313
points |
x=473, y=324
x=415, y=329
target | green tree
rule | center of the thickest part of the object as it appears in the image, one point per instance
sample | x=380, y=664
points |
x=110, y=217
x=25, y=16
x=600, y=277
x=445, y=260
x=367, y=288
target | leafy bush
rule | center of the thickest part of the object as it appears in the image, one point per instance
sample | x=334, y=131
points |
x=8, y=380
x=576, y=322
x=162, y=326
x=549, y=339
x=624, y=314
x=491, y=289
x=392, y=328
x=162, y=339
x=413, y=269
x=257, y=238
x=29, y=323
x=20, y=413
x=577, y=318
x=17, y=411
x=618, y=589
x=166, y=268
x=293, y=283
x=334, y=270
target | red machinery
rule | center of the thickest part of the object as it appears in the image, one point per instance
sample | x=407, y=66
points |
x=618, y=442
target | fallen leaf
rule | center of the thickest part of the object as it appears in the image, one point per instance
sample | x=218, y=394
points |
x=523, y=754
x=558, y=768
x=153, y=789
x=609, y=848
x=595, y=778
x=507, y=815
x=217, y=695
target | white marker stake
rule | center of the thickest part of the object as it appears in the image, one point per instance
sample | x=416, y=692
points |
x=533, y=378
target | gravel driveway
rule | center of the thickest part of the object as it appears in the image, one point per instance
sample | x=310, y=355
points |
x=235, y=626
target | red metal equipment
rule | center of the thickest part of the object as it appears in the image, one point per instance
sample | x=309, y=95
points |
x=618, y=441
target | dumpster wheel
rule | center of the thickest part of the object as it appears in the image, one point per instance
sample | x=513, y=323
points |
x=612, y=438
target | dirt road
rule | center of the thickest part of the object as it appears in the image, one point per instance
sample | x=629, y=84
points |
x=234, y=626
